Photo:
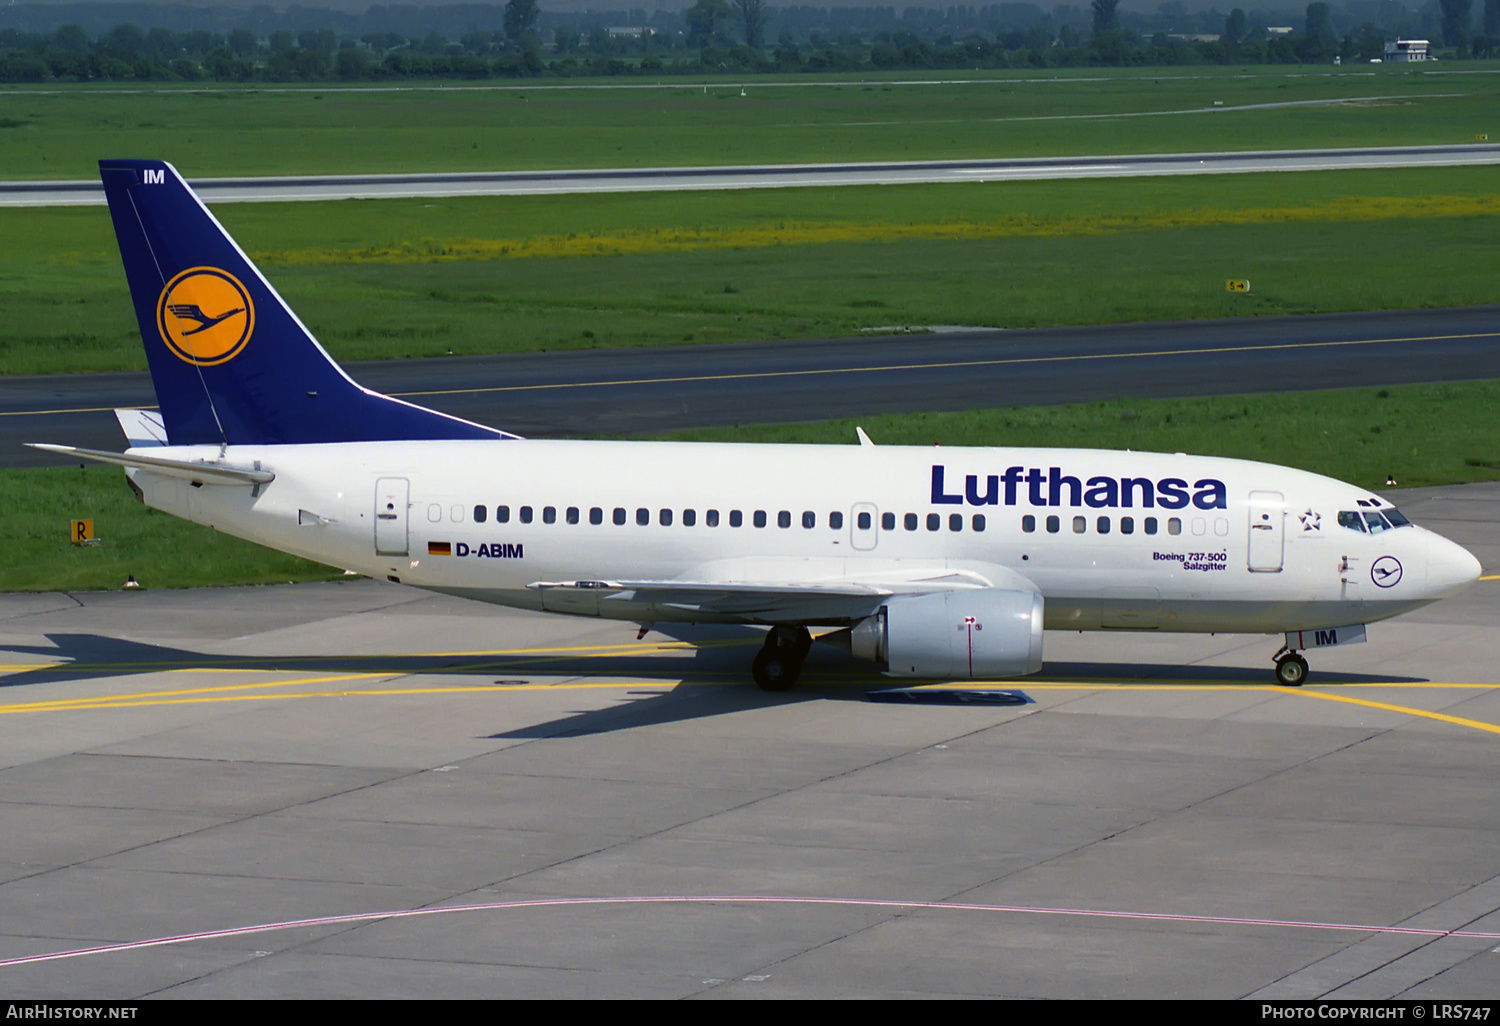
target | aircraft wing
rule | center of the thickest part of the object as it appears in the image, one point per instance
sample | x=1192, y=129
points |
x=828, y=601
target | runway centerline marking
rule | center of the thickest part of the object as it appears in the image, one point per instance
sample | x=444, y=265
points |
x=737, y=899
x=955, y=364
x=878, y=369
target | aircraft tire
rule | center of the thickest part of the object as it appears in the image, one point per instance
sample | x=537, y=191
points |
x=775, y=669
x=1291, y=670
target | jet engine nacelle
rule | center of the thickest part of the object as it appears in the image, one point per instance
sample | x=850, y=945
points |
x=982, y=632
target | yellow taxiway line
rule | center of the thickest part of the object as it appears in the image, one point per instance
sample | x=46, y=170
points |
x=1406, y=710
x=272, y=690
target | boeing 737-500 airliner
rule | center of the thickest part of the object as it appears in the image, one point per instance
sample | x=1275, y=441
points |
x=931, y=562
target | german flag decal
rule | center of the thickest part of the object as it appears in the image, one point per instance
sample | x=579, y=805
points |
x=439, y=548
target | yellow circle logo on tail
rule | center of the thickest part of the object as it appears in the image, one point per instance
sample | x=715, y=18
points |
x=205, y=316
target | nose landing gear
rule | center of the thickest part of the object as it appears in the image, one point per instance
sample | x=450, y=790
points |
x=1291, y=668
x=779, y=662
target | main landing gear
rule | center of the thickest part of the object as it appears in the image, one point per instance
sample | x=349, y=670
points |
x=779, y=662
x=1291, y=668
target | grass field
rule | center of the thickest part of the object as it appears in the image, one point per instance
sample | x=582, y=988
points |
x=415, y=278
x=62, y=132
x=1421, y=434
x=397, y=278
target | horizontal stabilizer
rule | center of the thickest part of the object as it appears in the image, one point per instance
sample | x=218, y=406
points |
x=200, y=472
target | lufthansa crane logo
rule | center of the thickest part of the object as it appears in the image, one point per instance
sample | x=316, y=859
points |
x=205, y=316
x=1385, y=572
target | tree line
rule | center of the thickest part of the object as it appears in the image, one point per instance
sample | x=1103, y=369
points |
x=519, y=40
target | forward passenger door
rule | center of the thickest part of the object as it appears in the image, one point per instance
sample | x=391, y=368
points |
x=1267, y=511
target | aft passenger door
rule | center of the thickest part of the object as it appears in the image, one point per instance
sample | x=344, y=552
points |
x=1267, y=511
x=391, y=497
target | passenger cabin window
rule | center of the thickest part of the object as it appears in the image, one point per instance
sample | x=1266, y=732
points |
x=1028, y=523
x=759, y=519
x=909, y=522
x=502, y=514
x=784, y=518
x=642, y=516
x=736, y=518
x=525, y=514
x=596, y=515
x=887, y=521
x=1150, y=525
x=549, y=514
x=864, y=521
x=711, y=518
x=836, y=520
x=481, y=514
x=809, y=519
x=689, y=517
x=978, y=522
x=1054, y=524
x=572, y=515
x=1080, y=524
x=1127, y=525
x=955, y=521
x=1174, y=525
x=934, y=522
x=1103, y=525
x=665, y=518
x=619, y=515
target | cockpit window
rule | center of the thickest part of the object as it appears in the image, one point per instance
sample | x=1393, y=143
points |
x=1396, y=517
x=1375, y=522
x=1351, y=519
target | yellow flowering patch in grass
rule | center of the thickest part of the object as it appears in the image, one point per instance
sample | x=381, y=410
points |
x=812, y=233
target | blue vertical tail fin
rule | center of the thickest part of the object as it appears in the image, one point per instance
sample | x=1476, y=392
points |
x=231, y=362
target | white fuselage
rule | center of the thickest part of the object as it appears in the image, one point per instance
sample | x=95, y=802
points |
x=1111, y=540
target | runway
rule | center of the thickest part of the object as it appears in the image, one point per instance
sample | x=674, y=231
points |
x=624, y=392
x=771, y=176
x=362, y=791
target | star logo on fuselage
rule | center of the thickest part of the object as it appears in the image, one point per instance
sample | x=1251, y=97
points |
x=1311, y=521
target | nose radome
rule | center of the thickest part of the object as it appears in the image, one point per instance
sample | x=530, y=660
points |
x=1450, y=567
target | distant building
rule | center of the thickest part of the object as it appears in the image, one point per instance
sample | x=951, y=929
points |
x=1406, y=50
x=1195, y=37
x=1278, y=30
